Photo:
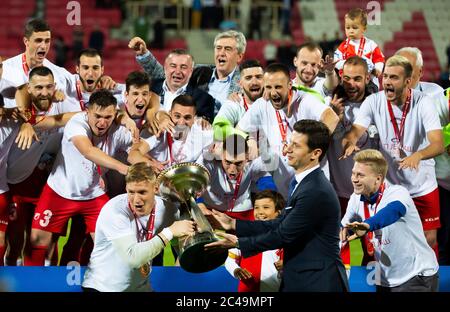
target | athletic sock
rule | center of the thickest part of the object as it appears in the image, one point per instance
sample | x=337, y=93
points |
x=36, y=256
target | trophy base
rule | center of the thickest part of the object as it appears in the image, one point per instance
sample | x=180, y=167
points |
x=195, y=259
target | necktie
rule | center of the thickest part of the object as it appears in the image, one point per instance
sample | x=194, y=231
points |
x=291, y=187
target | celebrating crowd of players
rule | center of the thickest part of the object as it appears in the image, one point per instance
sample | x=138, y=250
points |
x=67, y=141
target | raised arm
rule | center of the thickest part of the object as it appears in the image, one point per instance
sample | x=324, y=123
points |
x=146, y=59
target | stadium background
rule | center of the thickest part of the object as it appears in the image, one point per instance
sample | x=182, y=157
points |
x=273, y=29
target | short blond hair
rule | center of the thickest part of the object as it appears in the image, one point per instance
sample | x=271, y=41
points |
x=398, y=60
x=374, y=159
x=140, y=172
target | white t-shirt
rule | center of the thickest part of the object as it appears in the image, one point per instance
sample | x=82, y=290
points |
x=318, y=86
x=197, y=140
x=107, y=271
x=220, y=192
x=442, y=166
x=401, y=248
x=14, y=72
x=75, y=177
x=262, y=116
x=168, y=96
x=269, y=280
x=118, y=92
x=419, y=120
x=21, y=163
x=341, y=170
x=8, y=133
x=232, y=111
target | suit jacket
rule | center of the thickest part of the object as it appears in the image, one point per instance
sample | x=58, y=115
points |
x=308, y=230
x=204, y=102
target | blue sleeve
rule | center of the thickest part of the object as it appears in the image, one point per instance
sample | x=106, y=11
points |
x=266, y=183
x=200, y=200
x=386, y=216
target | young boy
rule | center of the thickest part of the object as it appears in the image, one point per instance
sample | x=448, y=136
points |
x=357, y=44
x=259, y=272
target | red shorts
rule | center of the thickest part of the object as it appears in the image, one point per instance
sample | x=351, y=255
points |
x=53, y=211
x=428, y=208
x=4, y=211
x=242, y=215
x=29, y=190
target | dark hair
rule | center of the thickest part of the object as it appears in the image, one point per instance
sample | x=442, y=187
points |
x=278, y=67
x=357, y=60
x=35, y=25
x=179, y=51
x=317, y=132
x=235, y=144
x=276, y=197
x=138, y=79
x=310, y=46
x=249, y=64
x=89, y=52
x=40, y=71
x=102, y=98
x=184, y=100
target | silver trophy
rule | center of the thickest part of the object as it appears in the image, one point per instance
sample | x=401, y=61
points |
x=184, y=182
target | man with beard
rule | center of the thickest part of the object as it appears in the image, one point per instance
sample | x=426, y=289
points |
x=27, y=170
x=251, y=82
x=410, y=136
x=220, y=80
x=187, y=141
x=308, y=63
x=233, y=177
x=274, y=118
x=74, y=185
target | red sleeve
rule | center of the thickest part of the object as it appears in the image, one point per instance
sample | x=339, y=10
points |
x=377, y=56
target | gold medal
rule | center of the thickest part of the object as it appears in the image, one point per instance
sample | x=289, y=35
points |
x=145, y=270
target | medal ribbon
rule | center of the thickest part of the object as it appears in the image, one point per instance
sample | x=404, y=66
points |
x=369, y=235
x=236, y=192
x=400, y=131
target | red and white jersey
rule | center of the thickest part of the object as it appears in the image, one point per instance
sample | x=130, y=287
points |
x=107, y=270
x=364, y=47
x=269, y=280
x=442, y=105
x=401, y=249
x=176, y=151
x=8, y=133
x=21, y=163
x=341, y=170
x=16, y=72
x=419, y=120
x=74, y=176
x=272, y=124
x=224, y=195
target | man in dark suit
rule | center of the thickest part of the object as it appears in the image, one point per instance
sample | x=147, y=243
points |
x=308, y=229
